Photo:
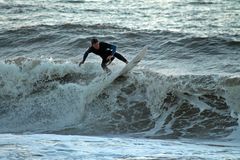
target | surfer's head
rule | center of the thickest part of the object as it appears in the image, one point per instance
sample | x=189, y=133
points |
x=95, y=43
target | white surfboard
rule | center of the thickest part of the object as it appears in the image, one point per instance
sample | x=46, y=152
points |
x=133, y=62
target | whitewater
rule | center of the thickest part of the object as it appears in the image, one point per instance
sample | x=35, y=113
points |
x=181, y=101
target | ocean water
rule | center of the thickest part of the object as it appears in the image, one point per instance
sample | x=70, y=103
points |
x=182, y=101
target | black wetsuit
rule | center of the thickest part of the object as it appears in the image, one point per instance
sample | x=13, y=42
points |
x=104, y=51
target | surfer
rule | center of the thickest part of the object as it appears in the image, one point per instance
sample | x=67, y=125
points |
x=106, y=51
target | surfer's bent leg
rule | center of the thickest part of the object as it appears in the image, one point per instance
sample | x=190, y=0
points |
x=104, y=66
x=120, y=57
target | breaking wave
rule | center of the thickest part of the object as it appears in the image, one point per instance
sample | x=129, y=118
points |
x=56, y=96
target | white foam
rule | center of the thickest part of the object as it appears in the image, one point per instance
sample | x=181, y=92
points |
x=60, y=107
x=19, y=79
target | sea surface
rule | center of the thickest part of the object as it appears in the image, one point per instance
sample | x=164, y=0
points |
x=182, y=101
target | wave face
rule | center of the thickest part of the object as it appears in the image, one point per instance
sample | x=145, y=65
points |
x=40, y=95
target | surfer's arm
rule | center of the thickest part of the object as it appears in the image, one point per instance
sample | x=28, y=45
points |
x=85, y=55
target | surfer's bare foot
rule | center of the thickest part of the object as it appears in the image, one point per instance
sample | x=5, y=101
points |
x=126, y=62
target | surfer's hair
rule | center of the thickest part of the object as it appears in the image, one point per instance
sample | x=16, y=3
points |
x=94, y=41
